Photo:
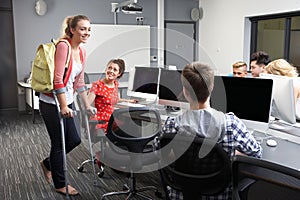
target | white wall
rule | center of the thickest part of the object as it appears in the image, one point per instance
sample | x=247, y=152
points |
x=32, y=29
x=222, y=35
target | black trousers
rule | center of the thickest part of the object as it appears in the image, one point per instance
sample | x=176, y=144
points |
x=54, y=162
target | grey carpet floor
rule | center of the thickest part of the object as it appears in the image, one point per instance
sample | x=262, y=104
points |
x=23, y=144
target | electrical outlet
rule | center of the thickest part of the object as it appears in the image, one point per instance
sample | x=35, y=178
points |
x=21, y=90
x=139, y=19
x=153, y=58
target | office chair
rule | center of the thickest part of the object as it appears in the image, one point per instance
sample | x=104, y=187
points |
x=93, y=135
x=255, y=178
x=130, y=146
x=200, y=166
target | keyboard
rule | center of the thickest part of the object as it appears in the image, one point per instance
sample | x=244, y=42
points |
x=127, y=104
x=146, y=102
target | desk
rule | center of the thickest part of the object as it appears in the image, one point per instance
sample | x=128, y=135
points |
x=30, y=99
x=33, y=101
x=285, y=153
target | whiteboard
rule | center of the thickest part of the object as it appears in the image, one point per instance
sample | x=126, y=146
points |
x=128, y=42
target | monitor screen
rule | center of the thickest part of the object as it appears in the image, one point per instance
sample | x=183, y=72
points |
x=170, y=89
x=143, y=82
x=248, y=98
x=283, y=105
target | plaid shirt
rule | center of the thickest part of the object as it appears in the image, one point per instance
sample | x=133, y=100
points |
x=237, y=137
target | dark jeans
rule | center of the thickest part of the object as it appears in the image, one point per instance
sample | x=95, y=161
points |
x=54, y=162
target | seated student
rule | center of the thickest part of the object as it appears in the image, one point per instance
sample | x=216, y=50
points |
x=104, y=92
x=258, y=61
x=198, y=82
x=283, y=68
x=239, y=69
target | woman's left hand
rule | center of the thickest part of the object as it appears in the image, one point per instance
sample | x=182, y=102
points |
x=132, y=101
x=91, y=110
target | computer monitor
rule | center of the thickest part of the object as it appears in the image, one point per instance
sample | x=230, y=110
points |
x=143, y=82
x=283, y=105
x=170, y=89
x=248, y=98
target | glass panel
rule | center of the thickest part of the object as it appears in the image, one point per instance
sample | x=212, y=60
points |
x=295, y=23
x=295, y=42
x=270, y=37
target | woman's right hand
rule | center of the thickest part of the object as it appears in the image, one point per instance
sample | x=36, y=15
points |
x=66, y=112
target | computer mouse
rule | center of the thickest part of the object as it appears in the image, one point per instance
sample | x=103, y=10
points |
x=271, y=143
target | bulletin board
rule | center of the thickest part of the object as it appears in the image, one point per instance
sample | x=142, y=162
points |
x=129, y=42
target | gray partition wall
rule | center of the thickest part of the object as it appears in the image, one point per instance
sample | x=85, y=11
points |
x=8, y=75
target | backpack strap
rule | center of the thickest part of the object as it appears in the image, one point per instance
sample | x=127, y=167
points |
x=69, y=64
x=81, y=55
x=69, y=61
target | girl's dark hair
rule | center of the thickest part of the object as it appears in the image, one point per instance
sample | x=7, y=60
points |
x=120, y=63
x=71, y=23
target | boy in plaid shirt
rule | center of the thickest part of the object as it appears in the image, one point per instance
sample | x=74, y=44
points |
x=198, y=81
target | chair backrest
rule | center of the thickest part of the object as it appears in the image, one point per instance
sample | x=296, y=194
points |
x=131, y=133
x=194, y=173
x=134, y=127
x=255, y=178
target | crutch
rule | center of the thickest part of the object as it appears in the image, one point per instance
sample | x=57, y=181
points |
x=87, y=126
x=63, y=145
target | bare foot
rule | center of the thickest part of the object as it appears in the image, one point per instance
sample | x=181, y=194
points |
x=47, y=173
x=72, y=191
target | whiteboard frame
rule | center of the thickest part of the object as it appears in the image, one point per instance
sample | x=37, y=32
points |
x=128, y=42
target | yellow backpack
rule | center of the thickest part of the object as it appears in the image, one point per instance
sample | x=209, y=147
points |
x=42, y=72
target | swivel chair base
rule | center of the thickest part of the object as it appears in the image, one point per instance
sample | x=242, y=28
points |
x=132, y=191
x=94, y=161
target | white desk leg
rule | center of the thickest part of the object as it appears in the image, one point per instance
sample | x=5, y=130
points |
x=32, y=106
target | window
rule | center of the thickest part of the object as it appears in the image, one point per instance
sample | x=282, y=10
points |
x=294, y=50
x=278, y=35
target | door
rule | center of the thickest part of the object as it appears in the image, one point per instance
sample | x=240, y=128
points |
x=180, y=40
x=8, y=74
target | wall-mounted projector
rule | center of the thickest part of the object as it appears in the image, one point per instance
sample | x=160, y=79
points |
x=127, y=7
x=132, y=9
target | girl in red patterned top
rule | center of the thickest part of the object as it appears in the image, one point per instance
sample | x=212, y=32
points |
x=104, y=92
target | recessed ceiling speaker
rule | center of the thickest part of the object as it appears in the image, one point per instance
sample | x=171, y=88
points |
x=196, y=14
x=40, y=7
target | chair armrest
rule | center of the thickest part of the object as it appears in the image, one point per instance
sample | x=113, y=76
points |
x=97, y=132
x=95, y=122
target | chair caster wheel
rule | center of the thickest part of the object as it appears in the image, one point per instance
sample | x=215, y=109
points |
x=80, y=169
x=100, y=174
x=125, y=187
x=158, y=195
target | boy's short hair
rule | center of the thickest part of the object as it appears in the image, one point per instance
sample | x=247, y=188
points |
x=260, y=57
x=239, y=64
x=198, y=79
